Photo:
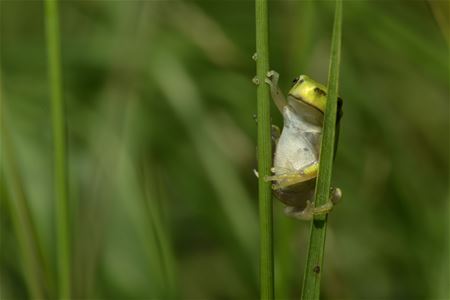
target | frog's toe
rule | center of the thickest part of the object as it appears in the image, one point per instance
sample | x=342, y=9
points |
x=272, y=78
x=336, y=195
x=272, y=178
x=273, y=74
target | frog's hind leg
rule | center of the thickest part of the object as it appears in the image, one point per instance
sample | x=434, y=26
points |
x=277, y=94
x=310, y=210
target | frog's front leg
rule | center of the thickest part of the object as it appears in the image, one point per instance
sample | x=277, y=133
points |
x=310, y=210
x=277, y=94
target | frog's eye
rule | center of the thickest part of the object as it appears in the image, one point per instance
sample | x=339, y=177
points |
x=297, y=79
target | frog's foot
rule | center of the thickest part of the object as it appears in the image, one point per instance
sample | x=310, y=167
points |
x=336, y=195
x=272, y=78
x=277, y=96
x=310, y=210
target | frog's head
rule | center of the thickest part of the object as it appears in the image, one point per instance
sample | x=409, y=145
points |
x=310, y=92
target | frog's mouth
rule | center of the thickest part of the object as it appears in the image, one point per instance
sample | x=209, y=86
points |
x=306, y=103
x=308, y=112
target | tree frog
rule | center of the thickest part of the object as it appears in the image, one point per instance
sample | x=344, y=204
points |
x=297, y=146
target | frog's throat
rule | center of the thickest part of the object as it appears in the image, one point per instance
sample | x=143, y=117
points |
x=305, y=102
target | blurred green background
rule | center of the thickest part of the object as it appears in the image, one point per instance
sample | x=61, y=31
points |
x=160, y=107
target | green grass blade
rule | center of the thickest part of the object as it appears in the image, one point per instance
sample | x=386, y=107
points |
x=34, y=266
x=264, y=152
x=60, y=151
x=155, y=196
x=313, y=270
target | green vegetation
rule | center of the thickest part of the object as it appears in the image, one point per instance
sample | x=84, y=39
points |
x=60, y=175
x=314, y=262
x=264, y=152
x=161, y=146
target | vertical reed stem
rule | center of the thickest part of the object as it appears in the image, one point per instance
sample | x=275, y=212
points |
x=264, y=152
x=60, y=151
x=314, y=264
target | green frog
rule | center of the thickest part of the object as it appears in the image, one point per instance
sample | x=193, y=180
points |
x=297, y=146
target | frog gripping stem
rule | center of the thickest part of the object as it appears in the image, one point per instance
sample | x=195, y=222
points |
x=277, y=95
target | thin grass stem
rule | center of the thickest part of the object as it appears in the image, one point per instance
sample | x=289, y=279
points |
x=155, y=197
x=264, y=152
x=60, y=151
x=314, y=263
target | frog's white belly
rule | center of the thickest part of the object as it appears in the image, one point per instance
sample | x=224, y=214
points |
x=297, y=147
x=293, y=152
